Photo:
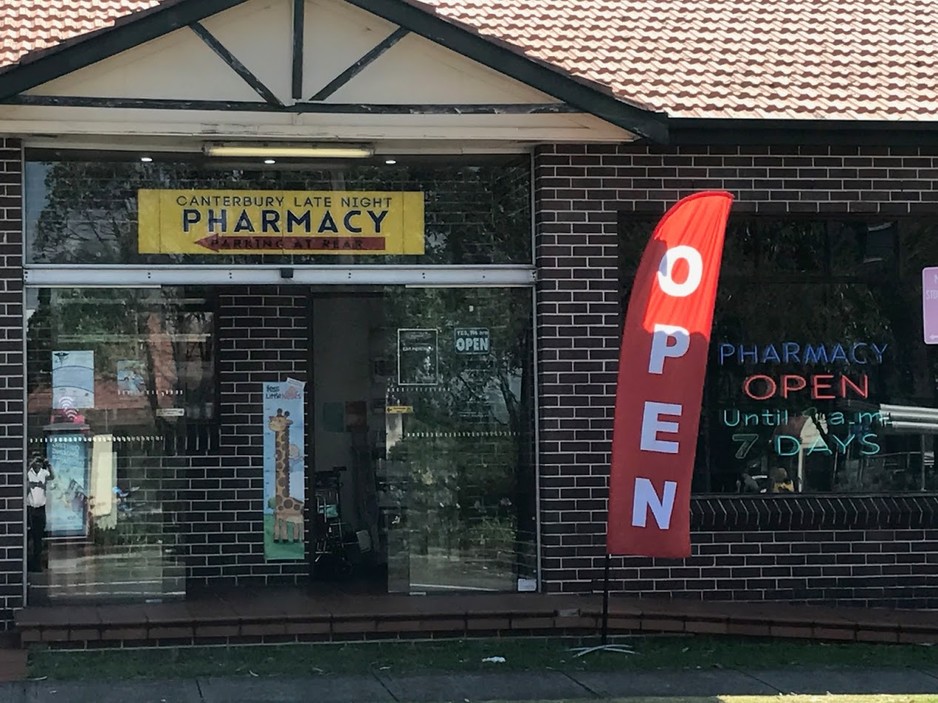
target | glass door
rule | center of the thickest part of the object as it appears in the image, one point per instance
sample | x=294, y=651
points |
x=459, y=489
x=423, y=442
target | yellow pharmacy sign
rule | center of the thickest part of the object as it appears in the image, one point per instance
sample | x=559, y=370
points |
x=279, y=222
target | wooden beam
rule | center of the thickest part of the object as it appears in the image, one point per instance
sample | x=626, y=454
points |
x=360, y=65
x=310, y=108
x=436, y=109
x=212, y=41
x=142, y=103
x=299, y=23
x=127, y=33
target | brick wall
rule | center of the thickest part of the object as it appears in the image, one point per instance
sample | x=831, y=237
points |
x=264, y=336
x=579, y=191
x=893, y=568
x=12, y=490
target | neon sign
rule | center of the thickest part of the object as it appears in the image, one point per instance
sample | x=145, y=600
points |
x=808, y=354
x=847, y=382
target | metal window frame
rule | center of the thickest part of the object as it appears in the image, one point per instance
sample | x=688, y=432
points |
x=536, y=390
x=52, y=275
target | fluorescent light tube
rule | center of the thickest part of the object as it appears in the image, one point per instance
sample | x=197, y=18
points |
x=287, y=151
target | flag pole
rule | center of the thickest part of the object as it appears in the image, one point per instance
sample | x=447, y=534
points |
x=604, y=645
x=605, y=625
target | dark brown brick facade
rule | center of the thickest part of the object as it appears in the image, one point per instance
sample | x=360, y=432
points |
x=873, y=552
x=264, y=336
x=11, y=380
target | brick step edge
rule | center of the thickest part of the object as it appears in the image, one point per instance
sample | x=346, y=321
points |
x=389, y=626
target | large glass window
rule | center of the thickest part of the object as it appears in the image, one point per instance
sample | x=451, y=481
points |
x=818, y=377
x=84, y=208
x=119, y=382
x=420, y=438
x=406, y=457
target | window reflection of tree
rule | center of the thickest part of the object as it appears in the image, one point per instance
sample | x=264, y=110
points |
x=816, y=281
x=158, y=329
x=468, y=447
x=477, y=209
x=180, y=357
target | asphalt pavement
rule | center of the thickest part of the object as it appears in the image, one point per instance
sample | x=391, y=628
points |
x=385, y=687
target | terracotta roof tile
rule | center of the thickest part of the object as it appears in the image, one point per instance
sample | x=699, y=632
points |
x=29, y=25
x=848, y=59
x=803, y=59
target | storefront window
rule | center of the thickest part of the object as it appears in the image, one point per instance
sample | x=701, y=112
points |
x=86, y=209
x=369, y=433
x=119, y=383
x=817, y=337
x=414, y=442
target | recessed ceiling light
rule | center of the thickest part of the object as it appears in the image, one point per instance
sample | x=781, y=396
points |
x=270, y=161
x=390, y=162
x=146, y=159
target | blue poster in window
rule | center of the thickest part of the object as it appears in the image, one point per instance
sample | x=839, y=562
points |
x=67, y=494
x=72, y=381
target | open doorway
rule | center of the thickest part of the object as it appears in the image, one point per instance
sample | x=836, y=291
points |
x=349, y=536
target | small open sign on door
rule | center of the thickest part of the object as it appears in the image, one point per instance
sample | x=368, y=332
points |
x=472, y=340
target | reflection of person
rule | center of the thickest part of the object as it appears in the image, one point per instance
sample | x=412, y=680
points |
x=38, y=475
x=425, y=372
x=780, y=481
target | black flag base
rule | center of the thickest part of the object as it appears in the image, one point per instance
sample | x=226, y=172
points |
x=604, y=645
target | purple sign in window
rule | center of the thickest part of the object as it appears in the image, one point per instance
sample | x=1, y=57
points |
x=930, y=304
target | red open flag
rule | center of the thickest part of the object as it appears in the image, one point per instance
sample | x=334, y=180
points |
x=661, y=376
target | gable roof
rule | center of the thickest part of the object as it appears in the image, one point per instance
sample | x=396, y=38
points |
x=771, y=59
x=151, y=20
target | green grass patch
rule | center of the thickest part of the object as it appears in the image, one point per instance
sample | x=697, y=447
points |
x=467, y=655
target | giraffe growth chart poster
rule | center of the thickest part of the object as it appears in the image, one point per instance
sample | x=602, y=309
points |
x=284, y=475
